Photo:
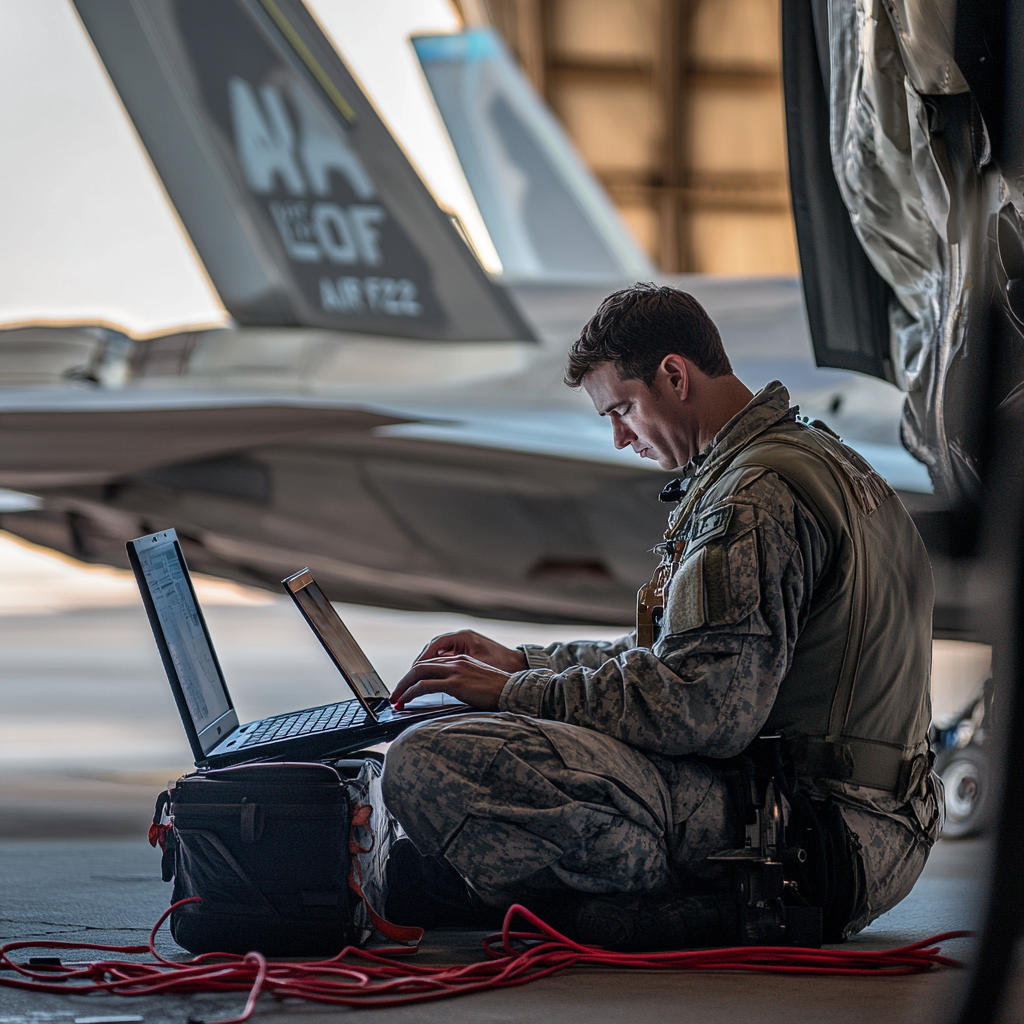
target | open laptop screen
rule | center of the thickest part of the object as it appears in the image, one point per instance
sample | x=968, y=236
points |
x=337, y=640
x=183, y=629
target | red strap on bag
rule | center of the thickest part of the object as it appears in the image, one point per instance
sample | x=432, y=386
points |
x=408, y=935
x=158, y=834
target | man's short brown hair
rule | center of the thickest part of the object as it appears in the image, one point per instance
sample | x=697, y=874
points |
x=635, y=329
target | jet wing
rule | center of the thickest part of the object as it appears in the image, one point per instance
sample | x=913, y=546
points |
x=62, y=438
x=469, y=478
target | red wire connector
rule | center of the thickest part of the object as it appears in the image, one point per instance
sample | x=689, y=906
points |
x=357, y=977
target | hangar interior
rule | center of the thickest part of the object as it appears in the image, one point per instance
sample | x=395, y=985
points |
x=676, y=107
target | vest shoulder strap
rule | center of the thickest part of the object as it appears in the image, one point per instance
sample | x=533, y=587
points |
x=797, y=456
x=858, y=492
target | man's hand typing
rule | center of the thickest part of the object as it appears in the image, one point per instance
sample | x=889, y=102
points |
x=482, y=648
x=458, y=675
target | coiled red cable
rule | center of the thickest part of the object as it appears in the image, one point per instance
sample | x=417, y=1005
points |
x=357, y=977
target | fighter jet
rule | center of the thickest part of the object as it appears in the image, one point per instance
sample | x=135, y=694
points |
x=316, y=306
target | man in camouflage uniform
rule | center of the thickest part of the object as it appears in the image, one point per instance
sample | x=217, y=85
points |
x=795, y=597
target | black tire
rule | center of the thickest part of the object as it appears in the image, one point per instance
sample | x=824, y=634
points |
x=967, y=778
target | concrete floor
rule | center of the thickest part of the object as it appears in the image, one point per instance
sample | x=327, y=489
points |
x=108, y=891
x=89, y=734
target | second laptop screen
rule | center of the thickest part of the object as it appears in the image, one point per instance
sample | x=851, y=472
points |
x=347, y=654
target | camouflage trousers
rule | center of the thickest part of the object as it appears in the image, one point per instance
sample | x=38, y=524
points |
x=891, y=842
x=520, y=806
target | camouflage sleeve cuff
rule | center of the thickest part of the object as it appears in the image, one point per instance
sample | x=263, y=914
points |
x=536, y=656
x=523, y=694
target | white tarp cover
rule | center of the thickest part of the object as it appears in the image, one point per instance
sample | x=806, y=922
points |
x=883, y=54
x=88, y=233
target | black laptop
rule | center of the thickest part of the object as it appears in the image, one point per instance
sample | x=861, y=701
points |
x=201, y=693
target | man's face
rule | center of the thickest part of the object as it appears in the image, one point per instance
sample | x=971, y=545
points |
x=654, y=422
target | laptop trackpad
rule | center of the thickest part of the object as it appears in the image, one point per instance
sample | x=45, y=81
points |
x=432, y=700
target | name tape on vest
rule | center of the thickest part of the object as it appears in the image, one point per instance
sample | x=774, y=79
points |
x=709, y=526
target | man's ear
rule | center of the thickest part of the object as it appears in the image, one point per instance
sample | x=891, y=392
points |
x=677, y=373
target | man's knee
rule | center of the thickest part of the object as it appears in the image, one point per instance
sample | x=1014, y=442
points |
x=403, y=771
x=431, y=772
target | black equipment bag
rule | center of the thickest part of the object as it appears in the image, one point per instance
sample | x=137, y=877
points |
x=267, y=847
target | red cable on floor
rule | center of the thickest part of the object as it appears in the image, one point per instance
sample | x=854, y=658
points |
x=357, y=977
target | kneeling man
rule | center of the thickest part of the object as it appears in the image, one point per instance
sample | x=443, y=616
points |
x=794, y=598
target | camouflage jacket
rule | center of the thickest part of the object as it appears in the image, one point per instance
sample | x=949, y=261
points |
x=705, y=691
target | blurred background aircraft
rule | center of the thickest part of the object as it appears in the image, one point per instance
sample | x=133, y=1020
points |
x=298, y=280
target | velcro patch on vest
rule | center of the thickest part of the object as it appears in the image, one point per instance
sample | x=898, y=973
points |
x=684, y=607
x=709, y=526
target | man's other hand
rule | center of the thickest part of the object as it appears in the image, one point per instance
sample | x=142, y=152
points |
x=459, y=675
x=479, y=647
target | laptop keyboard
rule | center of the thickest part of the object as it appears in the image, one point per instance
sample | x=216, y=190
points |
x=331, y=716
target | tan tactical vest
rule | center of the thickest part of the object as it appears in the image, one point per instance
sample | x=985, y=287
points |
x=855, y=705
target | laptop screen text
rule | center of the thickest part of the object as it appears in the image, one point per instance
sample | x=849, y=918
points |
x=183, y=633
